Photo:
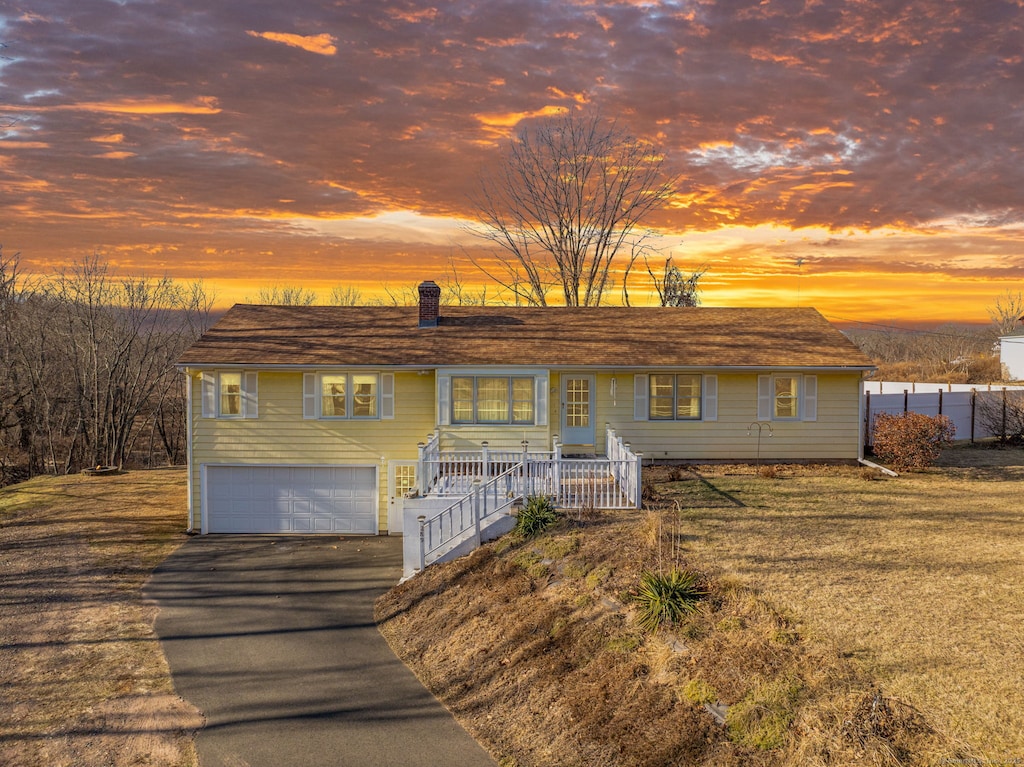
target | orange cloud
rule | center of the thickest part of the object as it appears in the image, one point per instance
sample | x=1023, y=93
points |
x=322, y=44
x=501, y=120
x=203, y=105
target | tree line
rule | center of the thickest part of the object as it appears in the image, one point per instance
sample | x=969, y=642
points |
x=87, y=373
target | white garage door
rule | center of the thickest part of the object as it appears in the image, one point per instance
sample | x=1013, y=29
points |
x=291, y=499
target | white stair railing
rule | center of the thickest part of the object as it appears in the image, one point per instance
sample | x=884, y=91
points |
x=466, y=517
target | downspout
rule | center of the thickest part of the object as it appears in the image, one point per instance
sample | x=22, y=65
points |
x=188, y=447
x=862, y=436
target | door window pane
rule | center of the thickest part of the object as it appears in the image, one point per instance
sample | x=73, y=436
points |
x=577, y=403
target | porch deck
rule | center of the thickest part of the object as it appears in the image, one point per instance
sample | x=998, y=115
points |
x=609, y=482
x=477, y=490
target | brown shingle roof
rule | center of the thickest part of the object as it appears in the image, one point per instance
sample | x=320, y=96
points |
x=549, y=337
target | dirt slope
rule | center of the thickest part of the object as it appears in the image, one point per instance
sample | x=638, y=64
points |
x=533, y=645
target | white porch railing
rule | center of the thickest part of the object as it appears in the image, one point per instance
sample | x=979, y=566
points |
x=485, y=484
x=465, y=518
x=609, y=482
x=452, y=472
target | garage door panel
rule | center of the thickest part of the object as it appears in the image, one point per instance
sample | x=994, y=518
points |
x=291, y=499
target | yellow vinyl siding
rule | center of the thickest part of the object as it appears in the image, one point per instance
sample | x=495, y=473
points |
x=282, y=436
x=833, y=436
x=497, y=436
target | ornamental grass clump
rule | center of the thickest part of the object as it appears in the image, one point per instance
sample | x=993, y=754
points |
x=667, y=598
x=536, y=515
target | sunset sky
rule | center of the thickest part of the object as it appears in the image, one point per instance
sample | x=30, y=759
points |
x=860, y=156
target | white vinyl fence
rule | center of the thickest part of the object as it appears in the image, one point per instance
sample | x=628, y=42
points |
x=976, y=411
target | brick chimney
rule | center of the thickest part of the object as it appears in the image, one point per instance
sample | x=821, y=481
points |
x=430, y=304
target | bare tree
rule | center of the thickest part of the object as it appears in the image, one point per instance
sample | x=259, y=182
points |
x=286, y=295
x=674, y=287
x=345, y=295
x=1007, y=312
x=564, y=202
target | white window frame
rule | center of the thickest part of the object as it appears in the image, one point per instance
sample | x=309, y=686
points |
x=444, y=393
x=511, y=401
x=212, y=397
x=806, y=397
x=708, y=397
x=312, y=395
x=675, y=397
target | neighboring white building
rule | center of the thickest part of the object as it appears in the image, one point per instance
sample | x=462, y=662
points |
x=1011, y=356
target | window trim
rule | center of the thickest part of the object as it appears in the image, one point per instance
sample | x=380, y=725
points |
x=675, y=397
x=806, y=397
x=212, y=395
x=312, y=395
x=510, y=401
x=708, y=400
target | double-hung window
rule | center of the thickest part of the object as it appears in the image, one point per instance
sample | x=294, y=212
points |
x=345, y=395
x=492, y=399
x=787, y=397
x=674, y=397
x=230, y=394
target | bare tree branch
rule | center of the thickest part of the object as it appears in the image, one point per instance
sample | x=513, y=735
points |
x=1007, y=312
x=564, y=202
x=674, y=288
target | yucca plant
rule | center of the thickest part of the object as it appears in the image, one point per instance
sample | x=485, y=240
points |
x=537, y=514
x=667, y=597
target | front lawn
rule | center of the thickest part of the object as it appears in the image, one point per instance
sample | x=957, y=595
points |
x=852, y=619
x=84, y=681
x=917, y=579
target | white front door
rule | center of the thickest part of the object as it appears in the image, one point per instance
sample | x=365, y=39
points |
x=577, y=409
x=401, y=479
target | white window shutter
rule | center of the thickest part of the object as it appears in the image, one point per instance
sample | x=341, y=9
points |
x=250, y=395
x=444, y=400
x=309, y=395
x=810, y=398
x=387, y=395
x=640, y=398
x=764, y=398
x=540, y=404
x=710, y=405
x=208, y=385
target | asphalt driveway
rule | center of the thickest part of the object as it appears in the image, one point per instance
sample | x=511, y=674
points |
x=273, y=639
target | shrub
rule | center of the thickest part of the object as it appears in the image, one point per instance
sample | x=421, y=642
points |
x=667, y=597
x=911, y=440
x=537, y=514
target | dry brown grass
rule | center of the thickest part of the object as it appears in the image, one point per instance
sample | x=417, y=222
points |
x=84, y=679
x=851, y=621
x=916, y=579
